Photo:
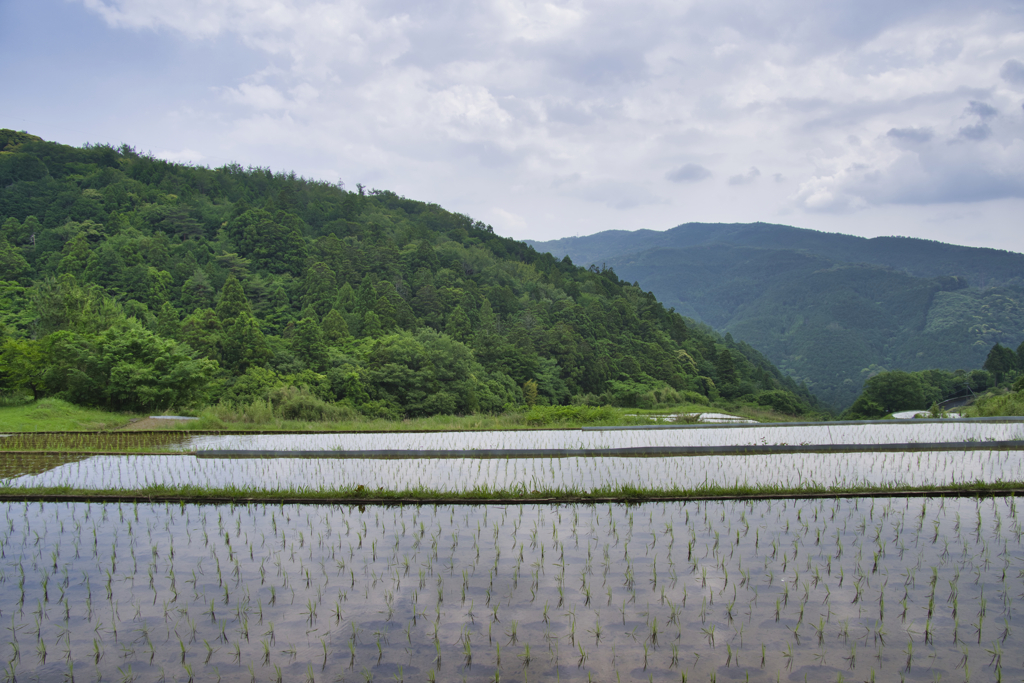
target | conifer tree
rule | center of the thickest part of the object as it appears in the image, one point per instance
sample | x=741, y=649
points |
x=319, y=288
x=12, y=264
x=168, y=322
x=197, y=292
x=204, y=333
x=335, y=327
x=346, y=301
x=371, y=325
x=308, y=344
x=75, y=255
x=245, y=345
x=233, y=301
x=366, y=297
x=458, y=326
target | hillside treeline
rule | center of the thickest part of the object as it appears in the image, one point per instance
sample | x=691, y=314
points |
x=824, y=307
x=133, y=283
x=997, y=386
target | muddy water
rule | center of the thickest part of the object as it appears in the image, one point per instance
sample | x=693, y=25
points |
x=769, y=590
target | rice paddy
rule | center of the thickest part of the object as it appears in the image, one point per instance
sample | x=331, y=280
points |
x=587, y=438
x=293, y=476
x=827, y=590
x=830, y=588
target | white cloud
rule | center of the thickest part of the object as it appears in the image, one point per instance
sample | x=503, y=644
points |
x=847, y=105
x=184, y=156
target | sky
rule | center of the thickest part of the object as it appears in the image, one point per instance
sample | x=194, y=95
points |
x=552, y=119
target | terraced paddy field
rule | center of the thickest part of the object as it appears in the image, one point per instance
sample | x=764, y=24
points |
x=836, y=589
x=549, y=555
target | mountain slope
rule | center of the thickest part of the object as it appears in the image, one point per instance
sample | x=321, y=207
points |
x=828, y=309
x=131, y=282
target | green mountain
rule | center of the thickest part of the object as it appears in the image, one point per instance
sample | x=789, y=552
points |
x=131, y=282
x=829, y=309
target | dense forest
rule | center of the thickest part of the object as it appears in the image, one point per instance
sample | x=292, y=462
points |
x=830, y=310
x=129, y=282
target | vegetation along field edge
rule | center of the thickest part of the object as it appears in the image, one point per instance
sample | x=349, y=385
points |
x=360, y=495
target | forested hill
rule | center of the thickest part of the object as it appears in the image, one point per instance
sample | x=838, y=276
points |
x=975, y=266
x=830, y=309
x=131, y=282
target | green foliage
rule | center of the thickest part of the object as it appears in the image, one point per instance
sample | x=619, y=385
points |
x=540, y=416
x=125, y=367
x=1000, y=361
x=782, y=402
x=889, y=392
x=241, y=285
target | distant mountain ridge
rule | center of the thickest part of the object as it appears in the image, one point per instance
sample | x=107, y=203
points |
x=829, y=309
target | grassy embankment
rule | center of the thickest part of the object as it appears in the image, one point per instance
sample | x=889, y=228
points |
x=994, y=405
x=625, y=493
x=53, y=415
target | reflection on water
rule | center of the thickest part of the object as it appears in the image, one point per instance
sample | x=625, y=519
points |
x=575, y=472
x=576, y=439
x=820, y=590
x=18, y=464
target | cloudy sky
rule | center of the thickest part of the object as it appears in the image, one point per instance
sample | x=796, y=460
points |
x=548, y=119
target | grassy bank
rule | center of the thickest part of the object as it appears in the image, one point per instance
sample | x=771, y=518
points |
x=360, y=495
x=53, y=415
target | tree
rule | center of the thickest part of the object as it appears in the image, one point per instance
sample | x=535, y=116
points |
x=889, y=392
x=331, y=252
x=65, y=303
x=197, y=292
x=335, y=328
x=233, y=301
x=273, y=242
x=530, y=393
x=1000, y=362
x=13, y=266
x=319, y=288
x=309, y=345
x=371, y=325
x=366, y=297
x=168, y=321
x=458, y=326
x=126, y=367
x=75, y=255
x=23, y=364
x=245, y=345
x=726, y=367
x=203, y=332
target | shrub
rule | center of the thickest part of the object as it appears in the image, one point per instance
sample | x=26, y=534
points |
x=545, y=415
x=293, y=403
x=781, y=401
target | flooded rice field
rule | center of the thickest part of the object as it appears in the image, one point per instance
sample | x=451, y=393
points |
x=822, y=590
x=591, y=438
x=605, y=438
x=573, y=473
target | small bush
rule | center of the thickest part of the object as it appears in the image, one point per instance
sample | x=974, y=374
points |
x=539, y=416
x=380, y=410
x=693, y=397
x=781, y=401
x=293, y=403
